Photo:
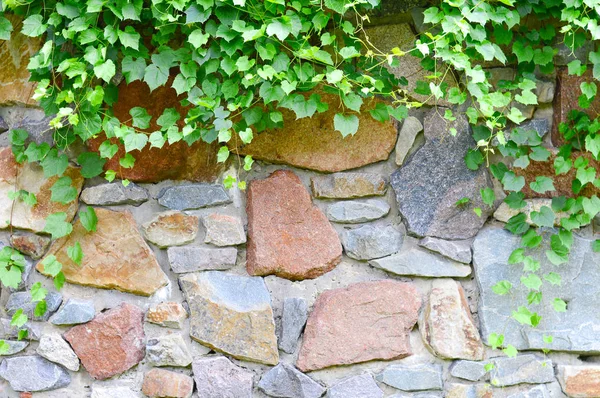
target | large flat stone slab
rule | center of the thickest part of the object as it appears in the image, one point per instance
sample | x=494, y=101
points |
x=580, y=381
x=193, y=196
x=287, y=235
x=576, y=330
x=115, y=256
x=33, y=373
x=218, y=377
x=232, y=314
x=347, y=185
x=284, y=380
x=430, y=183
x=363, y=322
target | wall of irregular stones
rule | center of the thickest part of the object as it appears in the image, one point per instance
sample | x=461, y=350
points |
x=344, y=270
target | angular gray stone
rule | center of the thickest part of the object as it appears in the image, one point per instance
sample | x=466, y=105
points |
x=33, y=329
x=223, y=230
x=191, y=259
x=468, y=370
x=33, y=373
x=412, y=260
x=3, y=125
x=348, y=185
x=168, y=350
x=540, y=391
x=218, y=377
x=114, y=193
x=406, y=138
x=368, y=242
x=361, y=386
x=114, y=392
x=577, y=329
x=293, y=319
x=541, y=126
x=285, y=381
x=412, y=377
x=430, y=183
x=23, y=300
x=354, y=212
x=55, y=349
x=457, y=250
x=528, y=368
x=13, y=347
x=193, y=196
x=74, y=312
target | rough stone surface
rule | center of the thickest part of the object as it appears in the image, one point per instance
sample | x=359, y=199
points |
x=192, y=259
x=369, y=242
x=285, y=381
x=347, y=185
x=436, y=177
x=110, y=344
x=574, y=330
x=287, y=235
x=160, y=383
x=11, y=332
x=31, y=245
x=406, y=138
x=15, y=87
x=168, y=350
x=504, y=212
x=169, y=314
x=354, y=212
x=361, y=386
x=22, y=300
x=468, y=370
x=293, y=319
x=232, y=314
x=580, y=381
x=114, y=193
x=217, y=377
x=74, y=312
x=541, y=126
x=14, y=347
x=412, y=377
x=30, y=177
x=114, y=392
x=193, y=196
x=363, y=322
x=446, y=324
x=224, y=230
x=458, y=250
x=55, y=349
x=313, y=143
x=178, y=161
x=116, y=256
x=459, y=390
x=33, y=373
x=536, y=392
x=528, y=368
x=171, y=228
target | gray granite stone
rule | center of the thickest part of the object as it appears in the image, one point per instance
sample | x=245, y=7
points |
x=457, y=250
x=368, y=241
x=191, y=259
x=468, y=370
x=74, y=312
x=540, y=391
x=33, y=329
x=541, y=126
x=347, y=185
x=217, y=377
x=412, y=377
x=293, y=319
x=193, y=196
x=168, y=350
x=285, y=381
x=577, y=329
x=223, y=230
x=55, y=349
x=529, y=369
x=23, y=300
x=361, y=386
x=430, y=183
x=411, y=127
x=12, y=347
x=114, y=193
x=114, y=392
x=33, y=373
x=354, y=212
x=3, y=125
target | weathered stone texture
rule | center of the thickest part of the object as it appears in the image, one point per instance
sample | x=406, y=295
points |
x=22, y=300
x=468, y=370
x=74, y=312
x=169, y=314
x=55, y=349
x=347, y=185
x=411, y=127
x=31, y=245
x=287, y=235
x=33, y=373
x=193, y=196
x=160, y=383
x=368, y=242
x=580, y=381
x=363, y=322
x=293, y=319
x=286, y=382
x=114, y=193
x=217, y=377
x=168, y=350
x=171, y=228
x=413, y=377
x=354, y=212
x=361, y=386
x=192, y=259
x=223, y=230
x=527, y=368
x=115, y=256
x=457, y=250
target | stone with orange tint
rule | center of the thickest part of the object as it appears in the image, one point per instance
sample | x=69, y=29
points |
x=169, y=314
x=363, y=322
x=580, y=381
x=115, y=256
x=171, y=228
x=160, y=383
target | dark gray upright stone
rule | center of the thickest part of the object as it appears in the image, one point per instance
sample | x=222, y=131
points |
x=285, y=381
x=33, y=373
x=22, y=300
x=293, y=319
x=430, y=183
x=193, y=196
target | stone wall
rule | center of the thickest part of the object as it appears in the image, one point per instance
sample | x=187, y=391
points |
x=368, y=282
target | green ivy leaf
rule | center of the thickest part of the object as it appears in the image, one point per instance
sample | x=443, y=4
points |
x=91, y=164
x=542, y=184
x=57, y=226
x=515, y=200
x=223, y=154
x=559, y=305
x=51, y=265
x=88, y=219
x=6, y=28
x=488, y=196
x=38, y=292
x=18, y=319
x=40, y=308
x=473, y=159
x=53, y=164
x=501, y=288
x=543, y=218
x=127, y=161
x=511, y=182
x=75, y=253
x=553, y=278
x=345, y=124
x=517, y=224
x=140, y=117
x=531, y=239
x=105, y=71
x=588, y=89
x=33, y=26
x=63, y=191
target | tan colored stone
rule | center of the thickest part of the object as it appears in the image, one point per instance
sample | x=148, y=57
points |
x=580, y=381
x=15, y=87
x=30, y=244
x=363, y=322
x=170, y=314
x=348, y=185
x=171, y=228
x=160, y=383
x=446, y=323
x=30, y=177
x=115, y=256
x=457, y=390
